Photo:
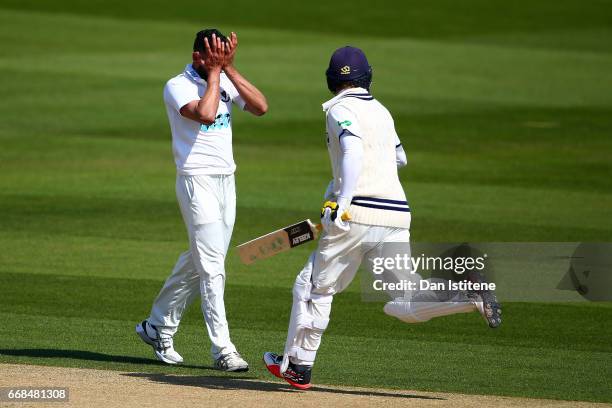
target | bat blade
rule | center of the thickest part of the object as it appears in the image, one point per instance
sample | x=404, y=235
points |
x=277, y=241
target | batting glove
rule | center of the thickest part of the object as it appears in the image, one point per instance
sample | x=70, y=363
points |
x=331, y=222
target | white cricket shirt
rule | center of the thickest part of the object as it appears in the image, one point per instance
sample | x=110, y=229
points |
x=199, y=148
x=379, y=198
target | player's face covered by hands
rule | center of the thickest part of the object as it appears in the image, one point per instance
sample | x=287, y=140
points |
x=212, y=58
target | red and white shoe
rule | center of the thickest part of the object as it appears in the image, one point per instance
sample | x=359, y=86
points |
x=296, y=375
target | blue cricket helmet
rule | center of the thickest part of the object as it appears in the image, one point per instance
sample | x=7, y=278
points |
x=348, y=64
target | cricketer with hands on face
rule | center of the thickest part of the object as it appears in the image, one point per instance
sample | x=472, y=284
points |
x=199, y=107
x=220, y=56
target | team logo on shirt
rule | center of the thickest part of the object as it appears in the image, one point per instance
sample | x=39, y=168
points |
x=345, y=123
x=224, y=96
x=222, y=121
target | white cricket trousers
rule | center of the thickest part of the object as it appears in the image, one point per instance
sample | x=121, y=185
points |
x=208, y=206
x=330, y=269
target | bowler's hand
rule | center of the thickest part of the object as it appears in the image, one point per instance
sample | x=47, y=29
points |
x=334, y=219
x=230, y=50
x=214, y=53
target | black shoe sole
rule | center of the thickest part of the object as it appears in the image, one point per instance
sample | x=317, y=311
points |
x=491, y=306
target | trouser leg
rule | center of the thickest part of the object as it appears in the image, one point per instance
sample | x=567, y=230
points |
x=207, y=204
x=308, y=319
x=418, y=312
x=179, y=291
x=214, y=201
x=415, y=306
x=329, y=270
x=208, y=252
x=423, y=305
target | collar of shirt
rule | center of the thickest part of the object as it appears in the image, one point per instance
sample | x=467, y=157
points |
x=335, y=99
x=192, y=74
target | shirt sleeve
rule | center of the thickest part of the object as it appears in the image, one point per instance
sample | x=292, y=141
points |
x=233, y=93
x=178, y=94
x=341, y=120
x=352, y=157
x=400, y=154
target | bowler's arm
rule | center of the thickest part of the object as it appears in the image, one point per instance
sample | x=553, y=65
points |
x=255, y=101
x=205, y=109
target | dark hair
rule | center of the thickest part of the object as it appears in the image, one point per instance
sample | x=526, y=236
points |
x=335, y=85
x=198, y=43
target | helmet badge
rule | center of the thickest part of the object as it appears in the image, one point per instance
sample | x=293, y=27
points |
x=345, y=70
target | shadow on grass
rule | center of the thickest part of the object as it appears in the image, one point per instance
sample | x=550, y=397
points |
x=89, y=356
x=233, y=383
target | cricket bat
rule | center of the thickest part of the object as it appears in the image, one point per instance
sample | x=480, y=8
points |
x=281, y=240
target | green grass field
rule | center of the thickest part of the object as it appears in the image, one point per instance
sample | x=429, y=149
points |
x=505, y=111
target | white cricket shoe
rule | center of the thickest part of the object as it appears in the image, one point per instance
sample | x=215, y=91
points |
x=162, y=344
x=231, y=362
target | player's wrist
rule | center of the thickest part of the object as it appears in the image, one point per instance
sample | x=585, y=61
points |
x=214, y=79
x=214, y=71
x=230, y=70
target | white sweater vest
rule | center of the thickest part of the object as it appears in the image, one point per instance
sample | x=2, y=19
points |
x=379, y=198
